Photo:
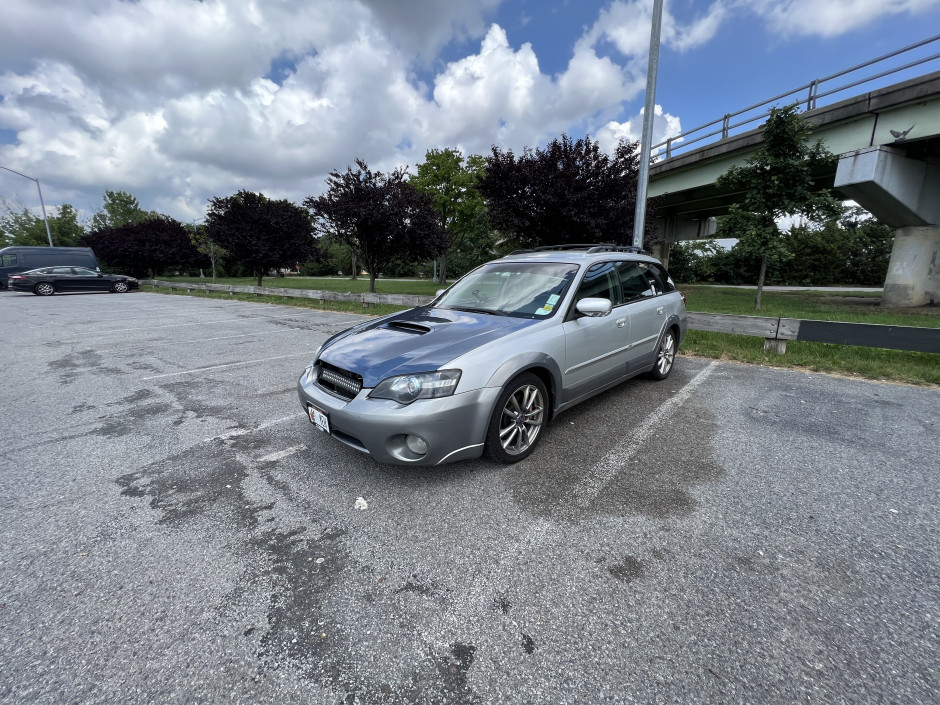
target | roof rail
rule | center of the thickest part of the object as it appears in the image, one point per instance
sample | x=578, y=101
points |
x=617, y=248
x=589, y=248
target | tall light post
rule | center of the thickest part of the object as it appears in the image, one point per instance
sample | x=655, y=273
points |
x=41, y=203
x=639, y=217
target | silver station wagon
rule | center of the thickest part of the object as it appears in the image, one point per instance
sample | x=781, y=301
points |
x=488, y=363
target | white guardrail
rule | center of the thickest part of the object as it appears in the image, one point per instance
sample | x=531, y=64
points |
x=775, y=331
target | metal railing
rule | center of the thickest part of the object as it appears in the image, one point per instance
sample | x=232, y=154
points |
x=807, y=97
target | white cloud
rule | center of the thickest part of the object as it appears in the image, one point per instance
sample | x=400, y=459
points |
x=664, y=127
x=422, y=26
x=177, y=101
x=500, y=96
x=832, y=17
x=627, y=26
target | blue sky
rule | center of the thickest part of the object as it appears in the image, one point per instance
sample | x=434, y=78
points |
x=177, y=102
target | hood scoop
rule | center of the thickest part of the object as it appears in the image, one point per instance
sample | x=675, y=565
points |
x=408, y=327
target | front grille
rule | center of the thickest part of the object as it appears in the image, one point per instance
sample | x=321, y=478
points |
x=341, y=382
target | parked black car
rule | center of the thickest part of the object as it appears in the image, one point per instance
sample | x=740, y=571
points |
x=48, y=280
x=25, y=258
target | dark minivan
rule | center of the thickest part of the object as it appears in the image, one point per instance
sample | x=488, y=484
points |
x=19, y=258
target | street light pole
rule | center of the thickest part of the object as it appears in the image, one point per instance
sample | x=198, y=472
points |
x=639, y=217
x=41, y=203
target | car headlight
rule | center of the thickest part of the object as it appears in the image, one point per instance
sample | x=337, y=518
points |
x=428, y=385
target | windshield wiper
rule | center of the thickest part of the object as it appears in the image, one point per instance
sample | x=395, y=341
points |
x=468, y=309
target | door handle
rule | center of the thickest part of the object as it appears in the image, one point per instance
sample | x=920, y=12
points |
x=621, y=322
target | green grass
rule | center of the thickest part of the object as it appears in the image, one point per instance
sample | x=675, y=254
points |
x=869, y=363
x=850, y=307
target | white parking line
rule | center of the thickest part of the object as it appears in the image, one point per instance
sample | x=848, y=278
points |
x=171, y=325
x=545, y=532
x=241, y=319
x=594, y=482
x=244, y=431
x=308, y=353
x=271, y=457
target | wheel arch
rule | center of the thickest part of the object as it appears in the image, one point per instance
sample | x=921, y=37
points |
x=539, y=364
x=674, y=323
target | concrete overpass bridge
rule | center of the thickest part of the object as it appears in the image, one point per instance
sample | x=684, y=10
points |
x=888, y=142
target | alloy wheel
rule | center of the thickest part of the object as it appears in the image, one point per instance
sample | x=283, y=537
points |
x=521, y=419
x=667, y=354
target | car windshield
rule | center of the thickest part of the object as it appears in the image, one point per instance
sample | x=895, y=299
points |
x=518, y=289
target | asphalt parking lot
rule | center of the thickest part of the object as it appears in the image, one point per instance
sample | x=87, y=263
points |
x=173, y=529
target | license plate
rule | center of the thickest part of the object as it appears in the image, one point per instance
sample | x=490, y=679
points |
x=318, y=418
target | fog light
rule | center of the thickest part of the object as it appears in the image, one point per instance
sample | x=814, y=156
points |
x=416, y=444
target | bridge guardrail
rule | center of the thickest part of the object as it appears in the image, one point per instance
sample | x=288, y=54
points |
x=807, y=96
x=775, y=331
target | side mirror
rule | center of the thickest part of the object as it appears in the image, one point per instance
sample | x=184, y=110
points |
x=439, y=292
x=594, y=308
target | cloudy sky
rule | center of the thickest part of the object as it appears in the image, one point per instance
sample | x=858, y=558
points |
x=177, y=101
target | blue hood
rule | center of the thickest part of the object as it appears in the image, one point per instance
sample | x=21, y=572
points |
x=419, y=340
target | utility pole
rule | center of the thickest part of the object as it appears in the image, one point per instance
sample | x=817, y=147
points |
x=44, y=219
x=639, y=217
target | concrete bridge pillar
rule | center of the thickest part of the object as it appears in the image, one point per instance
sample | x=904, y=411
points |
x=902, y=192
x=914, y=270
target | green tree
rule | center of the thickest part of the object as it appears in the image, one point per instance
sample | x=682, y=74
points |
x=260, y=233
x=777, y=181
x=119, y=208
x=451, y=182
x=380, y=216
x=693, y=261
x=569, y=192
x=205, y=245
x=869, y=250
x=20, y=226
x=146, y=248
x=815, y=255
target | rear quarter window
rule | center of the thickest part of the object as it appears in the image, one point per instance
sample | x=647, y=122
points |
x=667, y=283
x=638, y=281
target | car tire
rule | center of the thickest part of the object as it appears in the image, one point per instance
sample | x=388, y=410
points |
x=119, y=287
x=44, y=289
x=665, y=355
x=520, y=414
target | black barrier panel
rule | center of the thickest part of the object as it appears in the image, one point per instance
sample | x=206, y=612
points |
x=872, y=336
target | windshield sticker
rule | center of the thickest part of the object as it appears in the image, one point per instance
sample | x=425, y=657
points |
x=544, y=311
x=553, y=299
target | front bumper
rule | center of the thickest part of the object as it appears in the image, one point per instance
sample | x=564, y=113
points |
x=453, y=427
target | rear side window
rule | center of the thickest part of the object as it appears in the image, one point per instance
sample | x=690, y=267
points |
x=638, y=281
x=8, y=261
x=667, y=283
